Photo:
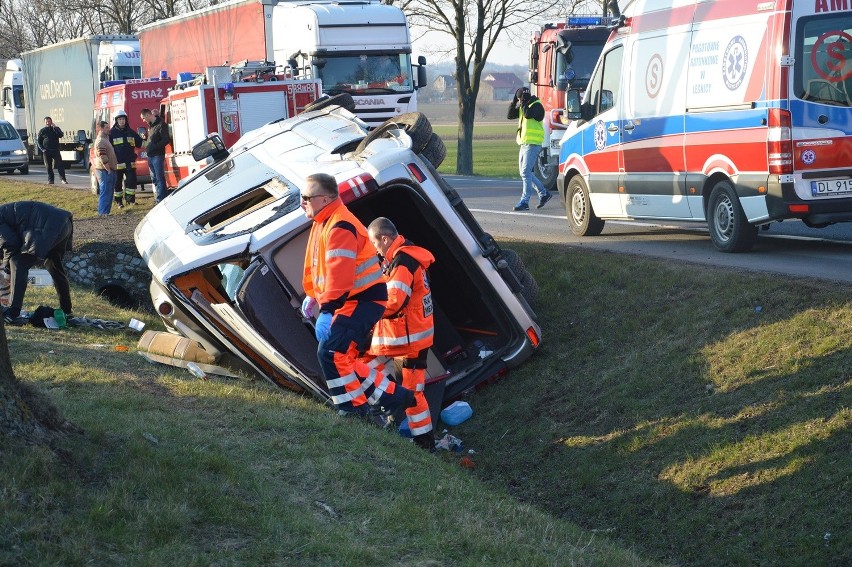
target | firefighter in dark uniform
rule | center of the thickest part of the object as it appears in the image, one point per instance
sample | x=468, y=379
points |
x=125, y=141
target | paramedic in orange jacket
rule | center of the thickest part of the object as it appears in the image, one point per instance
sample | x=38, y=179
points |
x=345, y=286
x=406, y=329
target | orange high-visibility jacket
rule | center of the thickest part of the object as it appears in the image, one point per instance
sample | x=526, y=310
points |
x=407, y=326
x=340, y=263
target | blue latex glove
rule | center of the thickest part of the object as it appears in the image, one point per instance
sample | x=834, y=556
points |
x=323, y=326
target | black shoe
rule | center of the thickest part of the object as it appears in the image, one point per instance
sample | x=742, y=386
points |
x=130, y=200
x=426, y=441
x=521, y=207
x=65, y=182
x=543, y=201
x=50, y=182
x=119, y=204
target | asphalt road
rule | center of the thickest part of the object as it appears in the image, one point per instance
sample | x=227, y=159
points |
x=788, y=248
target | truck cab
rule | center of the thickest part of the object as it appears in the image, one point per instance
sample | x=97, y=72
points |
x=13, y=97
x=360, y=48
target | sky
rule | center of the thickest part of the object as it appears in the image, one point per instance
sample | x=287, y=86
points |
x=503, y=53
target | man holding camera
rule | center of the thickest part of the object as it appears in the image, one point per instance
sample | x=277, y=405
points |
x=529, y=112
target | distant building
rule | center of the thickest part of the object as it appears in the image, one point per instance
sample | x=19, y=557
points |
x=444, y=88
x=499, y=86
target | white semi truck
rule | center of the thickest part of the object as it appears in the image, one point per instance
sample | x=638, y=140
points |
x=13, y=96
x=61, y=80
x=359, y=47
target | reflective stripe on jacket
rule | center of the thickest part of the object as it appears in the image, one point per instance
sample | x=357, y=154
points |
x=530, y=131
x=340, y=263
x=407, y=326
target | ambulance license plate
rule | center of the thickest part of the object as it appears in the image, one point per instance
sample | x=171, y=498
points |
x=831, y=187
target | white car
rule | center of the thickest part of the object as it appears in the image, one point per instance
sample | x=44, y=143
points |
x=13, y=153
x=226, y=252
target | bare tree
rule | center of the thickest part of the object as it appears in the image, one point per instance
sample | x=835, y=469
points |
x=475, y=26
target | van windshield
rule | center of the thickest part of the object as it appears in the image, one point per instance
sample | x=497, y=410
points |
x=7, y=132
x=823, y=71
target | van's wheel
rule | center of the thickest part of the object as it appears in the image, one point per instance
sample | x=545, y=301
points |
x=546, y=173
x=578, y=209
x=93, y=182
x=435, y=151
x=529, y=287
x=343, y=100
x=730, y=230
x=415, y=124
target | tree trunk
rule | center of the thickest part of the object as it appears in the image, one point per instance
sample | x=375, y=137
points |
x=24, y=412
x=464, y=151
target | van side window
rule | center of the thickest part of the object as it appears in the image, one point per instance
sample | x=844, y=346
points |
x=604, y=84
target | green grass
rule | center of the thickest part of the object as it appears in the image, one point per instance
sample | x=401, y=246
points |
x=495, y=152
x=665, y=418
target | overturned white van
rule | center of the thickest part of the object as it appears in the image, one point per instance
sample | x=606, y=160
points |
x=729, y=112
x=226, y=252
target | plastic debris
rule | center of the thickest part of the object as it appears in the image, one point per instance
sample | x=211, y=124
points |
x=196, y=371
x=136, y=324
x=449, y=443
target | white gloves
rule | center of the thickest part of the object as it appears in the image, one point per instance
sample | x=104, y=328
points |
x=310, y=307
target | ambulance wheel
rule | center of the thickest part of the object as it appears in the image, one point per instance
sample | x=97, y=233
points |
x=545, y=172
x=578, y=209
x=343, y=100
x=730, y=230
x=529, y=287
x=435, y=151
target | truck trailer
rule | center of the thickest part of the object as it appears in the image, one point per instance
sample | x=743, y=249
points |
x=61, y=80
x=362, y=48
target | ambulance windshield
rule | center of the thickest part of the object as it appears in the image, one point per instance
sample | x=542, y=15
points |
x=823, y=72
x=366, y=73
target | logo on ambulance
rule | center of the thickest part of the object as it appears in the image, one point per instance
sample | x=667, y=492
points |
x=600, y=135
x=735, y=63
x=808, y=157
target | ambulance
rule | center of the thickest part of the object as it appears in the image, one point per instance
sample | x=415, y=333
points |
x=737, y=114
x=131, y=96
x=230, y=101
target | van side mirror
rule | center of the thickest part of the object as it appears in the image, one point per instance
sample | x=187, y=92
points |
x=607, y=101
x=211, y=146
x=573, y=105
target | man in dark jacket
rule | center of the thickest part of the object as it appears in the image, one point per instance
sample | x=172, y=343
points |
x=125, y=141
x=158, y=139
x=31, y=231
x=527, y=109
x=48, y=141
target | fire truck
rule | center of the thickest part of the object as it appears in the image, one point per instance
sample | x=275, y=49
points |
x=230, y=101
x=553, y=69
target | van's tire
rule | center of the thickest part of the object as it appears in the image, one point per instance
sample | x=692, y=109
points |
x=435, y=151
x=578, y=209
x=415, y=124
x=24, y=170
x=730, y=230
x=343, y=100
x=529, y=287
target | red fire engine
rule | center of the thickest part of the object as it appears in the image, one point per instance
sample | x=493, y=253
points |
x=553, y=71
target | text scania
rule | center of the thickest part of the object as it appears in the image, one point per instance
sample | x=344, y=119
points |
x=54, y=89
x=148, y=93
